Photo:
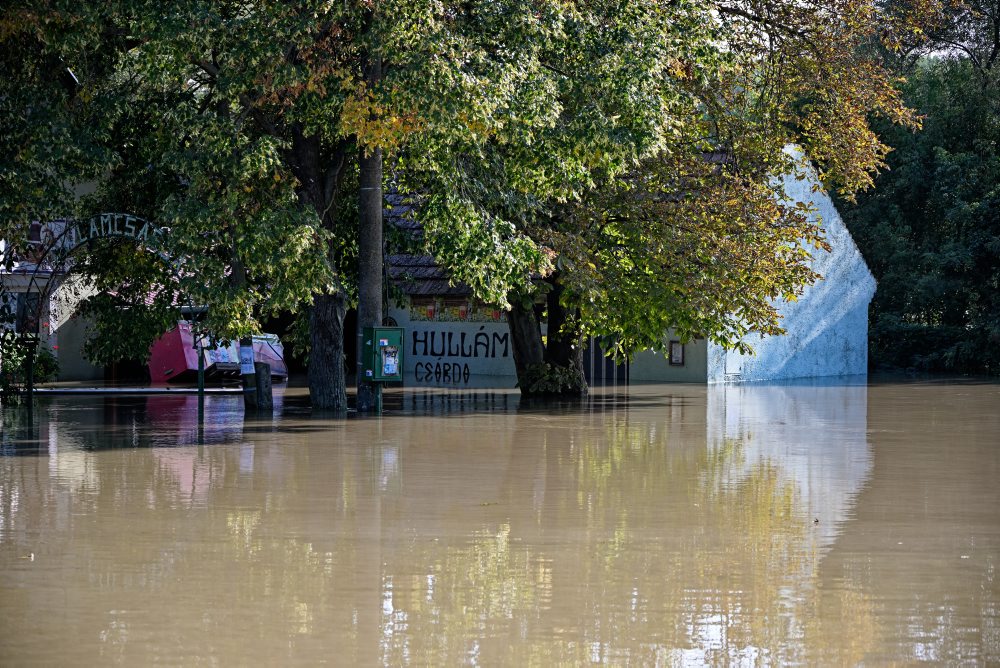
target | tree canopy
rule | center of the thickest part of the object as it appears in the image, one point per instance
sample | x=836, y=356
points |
x=930, y=230
x=652, y=183
x=625, y=151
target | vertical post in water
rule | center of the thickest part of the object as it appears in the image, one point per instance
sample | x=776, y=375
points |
x=247, y=374
x=29, y=373
x=265, y=391
x=201, y=385
x=370, y=247
x=370, y=269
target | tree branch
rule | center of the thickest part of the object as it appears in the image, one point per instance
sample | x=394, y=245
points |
x=263, y=121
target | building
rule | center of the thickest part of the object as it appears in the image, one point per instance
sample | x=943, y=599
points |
x=454, y=341
x=44, y=300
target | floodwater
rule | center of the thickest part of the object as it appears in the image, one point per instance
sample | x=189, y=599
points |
x=669, y=525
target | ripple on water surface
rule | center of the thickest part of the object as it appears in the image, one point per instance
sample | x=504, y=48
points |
x=672, y=525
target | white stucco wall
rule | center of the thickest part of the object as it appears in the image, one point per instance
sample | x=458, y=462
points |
x=827, y=328
x=61, y=331
x=69, y=331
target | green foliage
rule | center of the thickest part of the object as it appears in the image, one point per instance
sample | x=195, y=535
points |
x=635, y=148
x=50, y=138
x=527, y=134
x=549, y=380
x=296, y=336
x=46, y=366
x=132, y=298
x=930, y=230
x=13, y=355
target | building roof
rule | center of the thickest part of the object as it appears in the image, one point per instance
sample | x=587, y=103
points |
x=420, y=275
x=416, y=275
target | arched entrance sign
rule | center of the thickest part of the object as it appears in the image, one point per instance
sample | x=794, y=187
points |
x=109, y=225
x=46, y=256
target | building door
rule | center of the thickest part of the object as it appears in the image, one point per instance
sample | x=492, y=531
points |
x=601, y=370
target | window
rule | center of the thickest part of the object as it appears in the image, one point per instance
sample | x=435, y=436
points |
x=676, y=353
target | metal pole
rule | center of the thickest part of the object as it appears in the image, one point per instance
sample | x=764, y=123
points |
x=29, y=364
x=201, y=382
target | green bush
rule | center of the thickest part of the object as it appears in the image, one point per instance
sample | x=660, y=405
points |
x=12, y=372
x=548, y=379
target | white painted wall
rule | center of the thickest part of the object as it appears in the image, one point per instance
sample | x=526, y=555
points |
x=61, y=330
x=827, y=328
x=69, y=331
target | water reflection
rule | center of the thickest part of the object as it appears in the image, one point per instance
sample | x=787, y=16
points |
x=815, y=432
x=672, y=525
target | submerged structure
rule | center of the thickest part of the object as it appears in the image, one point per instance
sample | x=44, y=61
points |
x=453, y=340
x=826, y=329
x=174, y=356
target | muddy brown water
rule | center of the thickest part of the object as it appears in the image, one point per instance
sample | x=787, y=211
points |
x=669, y=525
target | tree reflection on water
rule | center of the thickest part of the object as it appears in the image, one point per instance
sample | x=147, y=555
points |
x=683, y=525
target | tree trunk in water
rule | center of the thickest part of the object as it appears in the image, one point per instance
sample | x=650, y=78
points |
x=526, y=339
x=320, y=174
x=564, y=344
x=326, y=357
x=552, y=369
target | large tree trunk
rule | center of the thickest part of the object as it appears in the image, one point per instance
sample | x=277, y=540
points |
x=320, y=174
x=564, y=342
x=554, y=368
x=526, y=339
x=327, y=383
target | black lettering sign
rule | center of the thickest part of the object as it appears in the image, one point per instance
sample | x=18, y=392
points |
x=505, y=340
x=419, y=338
x=451, y=373
x=450, y=343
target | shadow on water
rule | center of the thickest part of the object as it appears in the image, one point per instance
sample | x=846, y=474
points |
x=110, y=422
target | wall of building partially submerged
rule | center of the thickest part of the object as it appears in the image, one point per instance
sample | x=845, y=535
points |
x=827, y=328
x=687, y=364
x=69, y=331
x=454, y=343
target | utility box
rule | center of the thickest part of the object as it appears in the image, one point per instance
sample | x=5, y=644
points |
x=382, y=353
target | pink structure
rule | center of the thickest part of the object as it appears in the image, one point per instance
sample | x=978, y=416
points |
x=174, y=358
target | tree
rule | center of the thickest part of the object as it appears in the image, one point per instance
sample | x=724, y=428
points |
x=929, y=230
x=522, y=130
x=48, y=141
x=651, y=184
x=246, y=130
x=47, y=144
